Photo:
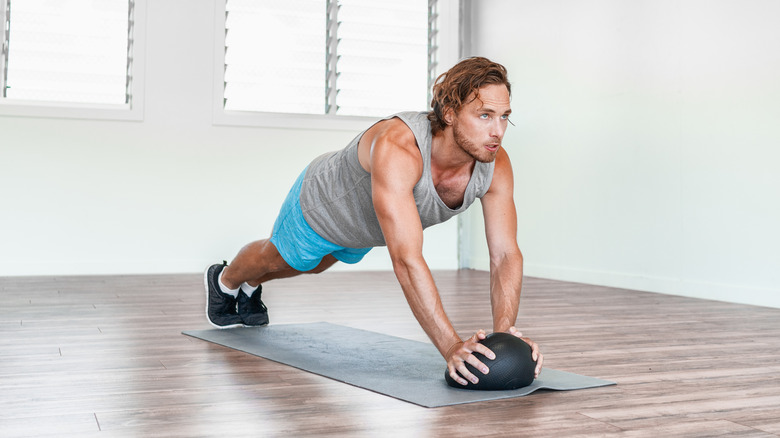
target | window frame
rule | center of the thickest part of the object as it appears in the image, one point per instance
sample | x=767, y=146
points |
x=133, y=111
x=447, y=41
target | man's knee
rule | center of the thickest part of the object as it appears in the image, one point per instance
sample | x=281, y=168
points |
x=271, y=257
x=326, y=263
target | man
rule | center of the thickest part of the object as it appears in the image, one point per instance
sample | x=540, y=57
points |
x=403, y=174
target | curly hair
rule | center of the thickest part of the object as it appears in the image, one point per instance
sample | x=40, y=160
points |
x=454, y=86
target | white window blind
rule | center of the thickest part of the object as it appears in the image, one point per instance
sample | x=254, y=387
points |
x=337, y=57
x=75, y=51
x=383, y=56
x=274, y=56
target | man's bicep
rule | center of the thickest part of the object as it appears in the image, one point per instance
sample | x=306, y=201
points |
x=500, y=224
x=397, y=215
x=392, y=186
x=396, y=166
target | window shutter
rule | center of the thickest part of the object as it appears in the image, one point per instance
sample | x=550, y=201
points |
x=338, y=57
x=69, y=51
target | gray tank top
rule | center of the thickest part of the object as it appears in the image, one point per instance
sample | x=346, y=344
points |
x=336, y=192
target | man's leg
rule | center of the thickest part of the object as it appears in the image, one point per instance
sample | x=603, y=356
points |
x=256, y=260
x=293, y=249
x=235, y=290
x=326, y=263
x=260, y=262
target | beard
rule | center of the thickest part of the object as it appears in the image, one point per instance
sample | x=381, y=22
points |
x=476, y=152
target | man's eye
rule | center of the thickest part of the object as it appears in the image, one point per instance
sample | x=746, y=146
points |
x=483, y=116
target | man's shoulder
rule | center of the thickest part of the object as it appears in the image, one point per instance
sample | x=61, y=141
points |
x=394, y=146
x=502, y=176
x=393, y=131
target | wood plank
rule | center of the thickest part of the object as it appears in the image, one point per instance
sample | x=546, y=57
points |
x=90, y=355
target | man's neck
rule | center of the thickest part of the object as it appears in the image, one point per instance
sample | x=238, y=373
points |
x=451, y=170
x=447, y=158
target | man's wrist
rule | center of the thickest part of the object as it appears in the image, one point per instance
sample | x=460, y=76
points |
x=454, y=346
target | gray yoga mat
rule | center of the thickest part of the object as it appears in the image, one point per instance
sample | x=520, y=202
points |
x=407, y=370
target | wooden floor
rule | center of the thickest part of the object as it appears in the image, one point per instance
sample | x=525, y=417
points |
x=103, y=356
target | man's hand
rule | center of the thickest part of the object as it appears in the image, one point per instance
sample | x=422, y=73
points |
x=535, y=353
x=460, y=354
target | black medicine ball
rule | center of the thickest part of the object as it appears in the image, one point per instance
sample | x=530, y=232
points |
x=513, y=367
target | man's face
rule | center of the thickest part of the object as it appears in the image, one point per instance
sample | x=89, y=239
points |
x=479, y=126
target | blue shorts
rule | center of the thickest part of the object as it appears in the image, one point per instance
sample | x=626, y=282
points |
x=299, y=245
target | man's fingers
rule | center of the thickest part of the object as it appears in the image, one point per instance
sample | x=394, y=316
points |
x=483, y=350
x=536, y=355
x=467, y=374
x=460, y=373
x=539, y=365
x=463, y=355
x=534, y=348
x=456, y=377
x=473, y=345
x=476, y=363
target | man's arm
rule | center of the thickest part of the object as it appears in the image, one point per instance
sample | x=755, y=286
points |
x=396, y=166
x=506, y=260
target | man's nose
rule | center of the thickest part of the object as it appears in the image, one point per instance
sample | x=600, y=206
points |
x=497, y=128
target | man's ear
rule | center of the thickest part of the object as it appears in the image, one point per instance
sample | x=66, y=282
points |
x=448, y=115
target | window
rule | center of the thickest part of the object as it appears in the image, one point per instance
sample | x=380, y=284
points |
x=327, y=57
x=280, y=43
x=63, y=54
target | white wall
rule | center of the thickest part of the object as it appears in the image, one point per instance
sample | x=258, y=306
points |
x=172, y=193
x=647, y=146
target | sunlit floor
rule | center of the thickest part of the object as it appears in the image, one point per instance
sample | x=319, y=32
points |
x=84, y=356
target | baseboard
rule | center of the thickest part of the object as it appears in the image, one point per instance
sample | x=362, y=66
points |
x=377, y=259
x=672, y=286
x=102, y=267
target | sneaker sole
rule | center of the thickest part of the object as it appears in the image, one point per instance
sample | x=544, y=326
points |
x=206, y=286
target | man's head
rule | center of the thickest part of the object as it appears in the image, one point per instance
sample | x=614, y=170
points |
x=460, y=85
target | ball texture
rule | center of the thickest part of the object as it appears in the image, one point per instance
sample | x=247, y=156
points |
x=512, y=368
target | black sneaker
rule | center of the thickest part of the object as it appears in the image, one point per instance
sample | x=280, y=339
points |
x=220, y=307
x=251, y=309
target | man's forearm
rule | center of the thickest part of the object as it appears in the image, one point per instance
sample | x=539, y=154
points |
x=506, y=279
x=424, y=300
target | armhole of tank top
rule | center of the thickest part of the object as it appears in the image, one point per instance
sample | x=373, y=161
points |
x=354, y=159
x=491, y=167
x=426, y=157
